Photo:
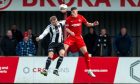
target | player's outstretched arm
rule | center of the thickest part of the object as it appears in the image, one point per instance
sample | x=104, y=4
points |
x=62, y=22
x=96, y=23
x=46, y=31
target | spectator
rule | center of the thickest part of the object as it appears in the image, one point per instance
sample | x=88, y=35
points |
x=8, y=44
x=26, y=47
x=33, y=38
x=123, y=43
x=90, y=40
x=45, y=44
x=103, y=45
x=16, y=33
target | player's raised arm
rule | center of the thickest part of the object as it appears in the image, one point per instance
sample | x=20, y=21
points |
x=96, y=23
x=46, y=31
x=62, y=22
x=88, y=24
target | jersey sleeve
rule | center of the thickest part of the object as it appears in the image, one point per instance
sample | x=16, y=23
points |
x=67, y=23
x=84, y=20
x=46, y=31
x=62, y=22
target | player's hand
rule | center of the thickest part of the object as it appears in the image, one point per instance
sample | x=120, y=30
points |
x=72, y=34
x=37, y=39
x=96, y=23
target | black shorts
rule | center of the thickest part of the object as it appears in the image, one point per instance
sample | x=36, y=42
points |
x=55, y=47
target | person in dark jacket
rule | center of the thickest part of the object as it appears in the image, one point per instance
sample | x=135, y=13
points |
x=8, y=44
x=16, y=33
x=33, y=38
x=90, y=40
x=103, y=45
x=123, y=43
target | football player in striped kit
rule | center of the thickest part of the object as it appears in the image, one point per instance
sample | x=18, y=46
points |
x=55, y=29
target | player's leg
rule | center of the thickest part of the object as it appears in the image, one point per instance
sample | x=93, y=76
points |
x=87, y=59
x=48, y=62
x=49, y=59
x=59, y=61
x=68, y=42
x=81, y=45
x=61, y=56
x=66, y=46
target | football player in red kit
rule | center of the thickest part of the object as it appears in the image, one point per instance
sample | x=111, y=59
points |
x=74, y=29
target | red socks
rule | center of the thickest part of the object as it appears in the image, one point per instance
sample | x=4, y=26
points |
x=87, y=59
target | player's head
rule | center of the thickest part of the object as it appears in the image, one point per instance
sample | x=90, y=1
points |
x=74, y=11
x=53, y=20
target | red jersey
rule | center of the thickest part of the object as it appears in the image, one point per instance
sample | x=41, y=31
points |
x=75, y=24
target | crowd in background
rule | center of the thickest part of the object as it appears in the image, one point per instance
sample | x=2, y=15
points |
x=17, y=43
x=102, y=44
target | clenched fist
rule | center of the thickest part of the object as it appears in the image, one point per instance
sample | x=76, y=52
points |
x=96, y=23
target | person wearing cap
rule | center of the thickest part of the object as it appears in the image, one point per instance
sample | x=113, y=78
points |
x=26, y=47
x=55, y=29
x=74, y=29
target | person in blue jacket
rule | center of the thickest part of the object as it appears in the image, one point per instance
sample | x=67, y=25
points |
x=26, y=47
x=123, y=43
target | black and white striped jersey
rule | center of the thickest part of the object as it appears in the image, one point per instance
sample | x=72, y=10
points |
x=56, y=32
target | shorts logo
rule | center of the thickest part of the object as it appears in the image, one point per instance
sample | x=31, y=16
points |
x=4, y=4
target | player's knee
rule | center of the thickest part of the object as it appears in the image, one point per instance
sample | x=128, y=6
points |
x=66, y=47
x=62, y=53
x=51, y=54
x=83, y=50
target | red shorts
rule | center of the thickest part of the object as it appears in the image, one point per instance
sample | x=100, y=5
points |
x=78, y=40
